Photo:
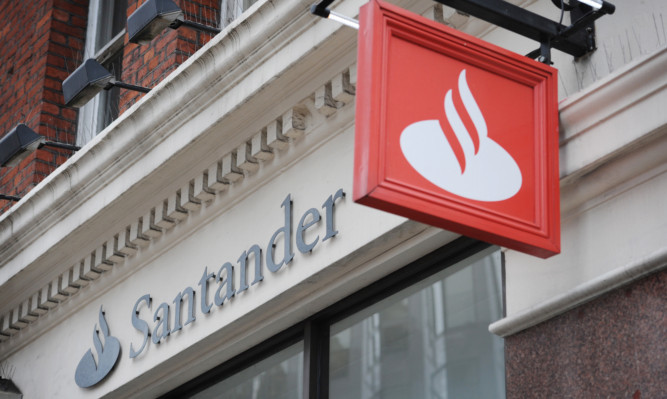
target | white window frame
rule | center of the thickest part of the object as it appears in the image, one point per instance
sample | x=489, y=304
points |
x=89, y=114
x=232, y=9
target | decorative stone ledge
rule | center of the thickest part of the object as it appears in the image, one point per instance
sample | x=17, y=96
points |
x=233, y=167
x=582, y=294
x=612, y=137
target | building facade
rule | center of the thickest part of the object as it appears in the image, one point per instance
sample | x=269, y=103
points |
x=203, y=242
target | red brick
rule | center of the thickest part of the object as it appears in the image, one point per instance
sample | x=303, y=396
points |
x=50, y=108
x=188, y=34
x=76, y=44
x=61, y=159
x=61, y=15
x=45, y=168
x=55, y=61
x=55, y=126
x=32, y=93
x=44, y=155
x=63, y=51
x=46, y=51
x=153, y=63
x=67, y=29
x=69, y=113
x=58, y=38
x=57, y=73
x=211, y=15
x=148, y=55
x=78, y=21
x=52, y=84
x=43, y=22
x=55, y=97
x=75, y=9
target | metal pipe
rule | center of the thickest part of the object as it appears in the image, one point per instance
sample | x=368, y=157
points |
x=320, y=9
x=345, y=20
x=9, y=198
x=60, y=145
x=128, y=86
x=195, y=25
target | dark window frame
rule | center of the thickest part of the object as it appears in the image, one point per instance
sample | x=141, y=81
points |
x=314, y=331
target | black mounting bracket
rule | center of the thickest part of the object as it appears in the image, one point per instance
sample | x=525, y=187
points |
x=320, y=9
x=9, y=197
x=56, y=144
x=194, y=25
x=578, y=39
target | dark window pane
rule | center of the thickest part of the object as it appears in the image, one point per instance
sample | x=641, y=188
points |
x=112, y=20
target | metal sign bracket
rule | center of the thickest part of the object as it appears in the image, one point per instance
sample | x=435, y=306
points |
x=577, y=39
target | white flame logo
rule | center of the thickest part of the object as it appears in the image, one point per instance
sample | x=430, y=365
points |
x=489, y=173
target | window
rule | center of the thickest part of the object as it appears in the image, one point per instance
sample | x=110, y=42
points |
x=279, y=376
x=104, y=42
x=232, y=9
x=421, y=332
x=430, y=340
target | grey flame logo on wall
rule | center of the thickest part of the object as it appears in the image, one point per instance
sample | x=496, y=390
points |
x=89, y=373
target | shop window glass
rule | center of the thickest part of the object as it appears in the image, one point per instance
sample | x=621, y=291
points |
x=279, y=376
x=428, y=341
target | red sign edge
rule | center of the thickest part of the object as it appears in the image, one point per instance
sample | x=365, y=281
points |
x=369, y=187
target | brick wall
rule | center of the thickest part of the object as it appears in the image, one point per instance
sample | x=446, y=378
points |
x=41, y=42
x=147, y=65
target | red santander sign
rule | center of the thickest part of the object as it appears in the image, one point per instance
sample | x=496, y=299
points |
x=455, y=132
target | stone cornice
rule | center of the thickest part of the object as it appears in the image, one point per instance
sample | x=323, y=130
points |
x=616, y=129
x=601, y=123
x=92, y=213
x=134, y=181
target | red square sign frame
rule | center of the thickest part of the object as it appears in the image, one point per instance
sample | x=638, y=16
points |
x=455, y=132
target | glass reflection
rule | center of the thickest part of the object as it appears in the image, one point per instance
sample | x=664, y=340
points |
x=428, y=341
x=277, y=377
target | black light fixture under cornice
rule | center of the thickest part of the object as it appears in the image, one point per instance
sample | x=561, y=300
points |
x=88, y=80
x=9, y=198
x=154, y=16
x=16, y=145
x=9, y=390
